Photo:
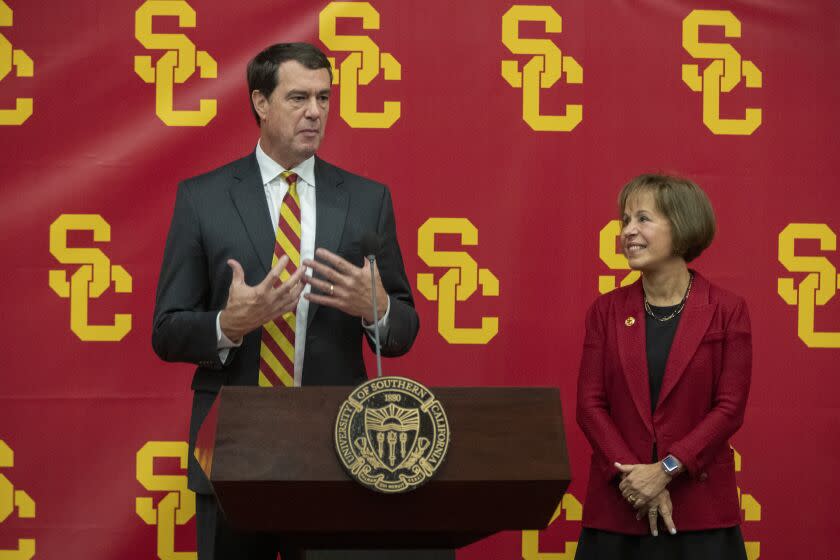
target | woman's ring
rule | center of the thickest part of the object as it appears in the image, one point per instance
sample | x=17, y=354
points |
x=332, y=289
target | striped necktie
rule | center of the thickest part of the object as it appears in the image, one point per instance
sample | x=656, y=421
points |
x=277, y=349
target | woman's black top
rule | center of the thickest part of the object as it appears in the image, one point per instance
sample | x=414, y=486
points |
x=659, y=336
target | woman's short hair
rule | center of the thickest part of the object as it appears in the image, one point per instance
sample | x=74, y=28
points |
x=684, y=204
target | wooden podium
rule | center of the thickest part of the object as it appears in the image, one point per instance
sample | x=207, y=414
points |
x=270, y=456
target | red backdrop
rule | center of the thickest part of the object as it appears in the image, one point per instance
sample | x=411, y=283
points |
x=504, y=132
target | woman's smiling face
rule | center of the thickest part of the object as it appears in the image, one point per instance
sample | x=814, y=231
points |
x=646, y=233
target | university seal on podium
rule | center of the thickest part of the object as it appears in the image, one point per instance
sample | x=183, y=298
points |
x=391, y=434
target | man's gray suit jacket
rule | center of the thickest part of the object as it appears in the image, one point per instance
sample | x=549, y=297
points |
x=223, y=214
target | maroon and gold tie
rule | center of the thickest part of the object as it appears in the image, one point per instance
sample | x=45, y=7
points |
x=277, y=350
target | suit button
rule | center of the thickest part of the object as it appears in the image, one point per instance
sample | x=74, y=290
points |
x=703, y=476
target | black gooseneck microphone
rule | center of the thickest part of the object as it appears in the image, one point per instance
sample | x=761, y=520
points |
x=370, y=245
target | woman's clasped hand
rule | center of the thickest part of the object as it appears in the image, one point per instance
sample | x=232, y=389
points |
x=644, y=487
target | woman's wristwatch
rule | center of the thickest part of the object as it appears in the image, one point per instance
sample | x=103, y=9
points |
x=670, y=465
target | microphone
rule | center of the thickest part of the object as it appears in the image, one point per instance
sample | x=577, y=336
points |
x=370, y=245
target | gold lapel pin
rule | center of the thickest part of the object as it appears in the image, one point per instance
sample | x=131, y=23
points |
x=630, y=321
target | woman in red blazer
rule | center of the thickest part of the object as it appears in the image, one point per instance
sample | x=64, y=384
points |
x=663, y=385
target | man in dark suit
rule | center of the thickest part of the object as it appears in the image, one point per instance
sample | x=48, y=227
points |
x=219, y=286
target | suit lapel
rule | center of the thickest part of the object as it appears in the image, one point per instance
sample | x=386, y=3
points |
x=632, y=350
x=695, y=320
x=331, y=202
x=249, y=198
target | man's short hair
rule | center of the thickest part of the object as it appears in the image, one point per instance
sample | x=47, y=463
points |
x=262, y=69
x=684, y=204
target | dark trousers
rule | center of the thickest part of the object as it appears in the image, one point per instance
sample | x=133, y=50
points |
x=717, y=544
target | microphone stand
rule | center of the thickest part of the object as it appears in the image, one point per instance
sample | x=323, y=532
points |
x=372, y=259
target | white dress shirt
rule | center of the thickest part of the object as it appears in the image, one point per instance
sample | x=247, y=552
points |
x=275, y=189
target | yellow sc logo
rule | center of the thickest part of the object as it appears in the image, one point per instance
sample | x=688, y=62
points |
x=24, y=68
x=177, y=507
x=458, y=283
x=92, y=278
x=361, y=66
x=752, y=512
x=546, y=67
x=176, y=65
x=819, y=285
x=613, y=259
x=531, y=539
x=722, y=74
x=11, y=499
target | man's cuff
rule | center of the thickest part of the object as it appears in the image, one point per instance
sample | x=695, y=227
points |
x=383, y=322
x=223, y=343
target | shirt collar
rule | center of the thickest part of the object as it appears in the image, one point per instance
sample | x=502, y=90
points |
x=270, y=169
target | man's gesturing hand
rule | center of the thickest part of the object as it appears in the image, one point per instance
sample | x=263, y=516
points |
x=249, y=307
x=344, y=286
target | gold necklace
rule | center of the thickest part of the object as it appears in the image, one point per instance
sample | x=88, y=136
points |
x=679, y=308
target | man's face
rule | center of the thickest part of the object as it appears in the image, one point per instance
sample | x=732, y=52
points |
x=293, y=118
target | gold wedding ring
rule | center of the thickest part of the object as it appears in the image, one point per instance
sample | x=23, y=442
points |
x=332, y=289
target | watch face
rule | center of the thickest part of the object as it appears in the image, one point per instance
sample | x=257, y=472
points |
x=670, y=464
